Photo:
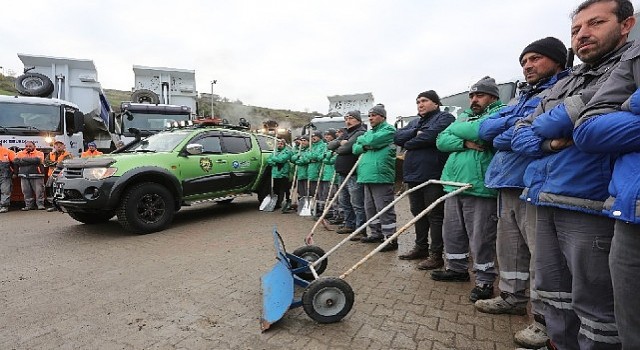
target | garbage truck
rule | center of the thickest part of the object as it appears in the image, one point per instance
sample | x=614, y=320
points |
x=339, y=105
x=161, y=96
x=60, y=99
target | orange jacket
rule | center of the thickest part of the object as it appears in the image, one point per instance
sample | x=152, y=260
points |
x=7, y=157
x=29, y=164
x=87, y=154
x=53, y=159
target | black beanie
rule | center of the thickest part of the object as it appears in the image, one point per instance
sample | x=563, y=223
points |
x=331, y=132
x=486, y=85
x=549, y=47
x=432, y=95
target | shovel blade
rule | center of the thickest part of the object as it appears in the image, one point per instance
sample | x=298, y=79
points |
x=272, y=204
x=277, y=294
x=265, y=202
x=305, y=209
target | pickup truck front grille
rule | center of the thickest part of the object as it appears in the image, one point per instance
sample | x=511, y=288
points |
x=73, y=173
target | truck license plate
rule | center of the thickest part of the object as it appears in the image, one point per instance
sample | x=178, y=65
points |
x=58, y=190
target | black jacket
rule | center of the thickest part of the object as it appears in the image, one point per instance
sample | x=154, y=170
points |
x=422, y=160
x=346, y=159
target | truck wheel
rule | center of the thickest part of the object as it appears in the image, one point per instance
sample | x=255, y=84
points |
x=34, y=84
x=145, y=96
x=328, y=299
x=146, y=207
x=93, y=217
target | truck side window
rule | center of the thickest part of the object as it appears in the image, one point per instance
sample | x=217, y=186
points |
x=210, y=145
x=236, y=144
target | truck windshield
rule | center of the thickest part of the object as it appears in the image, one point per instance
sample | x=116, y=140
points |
x=151, y=121
x=30, y=117
x=162, y=142
x=324, y=126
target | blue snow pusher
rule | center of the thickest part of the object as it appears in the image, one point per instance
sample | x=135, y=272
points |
x=326, y=299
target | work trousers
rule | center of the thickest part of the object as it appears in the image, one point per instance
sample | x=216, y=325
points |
x=516, y=248
x=352, y=203
x=624, y=262
x=430, y=223
x=33, y=192
x=281, y=189
x=376, y=197
x=573, y=278
x=5, y=191
x=470, y=222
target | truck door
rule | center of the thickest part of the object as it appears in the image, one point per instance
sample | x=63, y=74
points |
x=208, y=172
x=245, y=159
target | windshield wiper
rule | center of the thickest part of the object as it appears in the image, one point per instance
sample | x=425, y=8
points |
x=21, y=127
x=145, y=150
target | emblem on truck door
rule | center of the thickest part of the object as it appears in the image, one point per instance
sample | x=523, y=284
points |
x=206, y=164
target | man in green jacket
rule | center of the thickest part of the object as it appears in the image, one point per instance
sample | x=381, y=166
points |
x=377, y=173
x=470, y=219
x=280, y=167
x=298, y=158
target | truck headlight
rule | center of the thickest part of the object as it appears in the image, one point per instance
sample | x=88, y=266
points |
x=98, y=173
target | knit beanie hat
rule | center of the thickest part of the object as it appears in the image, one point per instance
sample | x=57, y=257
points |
x=379, y=110
x=355, y=114
x=317, y=134
x=431, y=95
x=331, y=132
x=486, y=85
x=549, y=47
x=91, y=144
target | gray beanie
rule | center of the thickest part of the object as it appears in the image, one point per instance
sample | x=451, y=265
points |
x=355, y=114
x=317, y=134
x=331, y=132
x=486, y=85
x=379, y=110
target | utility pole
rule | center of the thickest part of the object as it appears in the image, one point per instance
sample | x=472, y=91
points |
x=213, y=82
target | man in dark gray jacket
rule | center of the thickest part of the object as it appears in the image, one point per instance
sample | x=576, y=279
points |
x=352, y=196
x=422, y=162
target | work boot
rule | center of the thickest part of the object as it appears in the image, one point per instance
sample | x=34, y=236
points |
x=450, y=276
x=434, y=261
x=4, y=209
x=345, y=230
x=534, y=336
x=415, y=253
x=499, y=305
x=52, y=209
x=28, y=208
x=484, y=291
x=391, y=246
x=371, y=239
x=359, y=236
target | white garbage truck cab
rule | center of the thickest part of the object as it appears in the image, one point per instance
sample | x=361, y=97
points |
x=160, y=96
x=339, y=105
x=60, y=99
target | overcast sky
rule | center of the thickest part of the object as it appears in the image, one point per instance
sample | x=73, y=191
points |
x=291, y=54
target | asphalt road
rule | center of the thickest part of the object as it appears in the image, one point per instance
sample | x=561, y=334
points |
x=196, y=285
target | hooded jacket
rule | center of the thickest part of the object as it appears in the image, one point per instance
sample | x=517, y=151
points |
x=568, y=178
x=507, y=168
x=378, y=164
x=464, y=164
x=279, y=161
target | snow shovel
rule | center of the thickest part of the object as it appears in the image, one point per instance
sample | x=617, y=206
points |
x=269, y=202
x=314, y=200
x=309, y=239
x=305, y=207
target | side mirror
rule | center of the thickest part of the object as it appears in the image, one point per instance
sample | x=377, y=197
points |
x=194, y=148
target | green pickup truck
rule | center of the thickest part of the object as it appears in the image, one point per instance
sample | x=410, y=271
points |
x=146, y=182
